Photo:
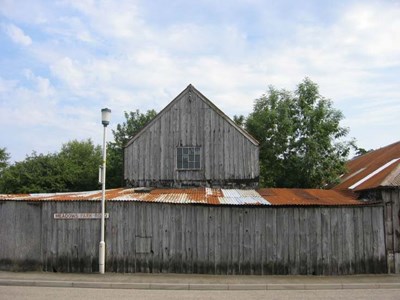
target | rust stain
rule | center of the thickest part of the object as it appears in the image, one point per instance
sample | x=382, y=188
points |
x=364, y=165
x=206, y=196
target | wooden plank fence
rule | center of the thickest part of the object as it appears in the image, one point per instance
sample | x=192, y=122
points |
x=174, y=238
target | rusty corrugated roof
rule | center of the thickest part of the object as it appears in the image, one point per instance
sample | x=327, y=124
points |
x=309, y=197
x=379, y=168
x=205, y=196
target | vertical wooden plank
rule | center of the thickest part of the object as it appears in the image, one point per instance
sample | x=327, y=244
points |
x=186, y=241
x=8, y=231
x=45, y=228
x=368, y=246
x=247, y=247
x=271, y=241
x=303, y=228
x=347, y=233
x=282, y=242
x=358, y=241
x=318, y=229
x=379, y=250
x=335, y=246
x=211, y=240
x=241, y=231
x=313, y=243
x=178, y=232
x=148, y=223
x=218, y=240
x=395, y=197
x=203, y=241
x=326, y=241
x=207, y=145
x=166, y=227
x=192, y=224
x=235, y=228
x=259, y=218
x=348, y=240
x=340, y=238
x=225, y=150
x=291, y=264
x=226, y=240
x=154, y=258
x=388, y=215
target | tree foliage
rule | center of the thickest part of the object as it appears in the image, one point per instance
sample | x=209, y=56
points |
x=80, y=161
x=4, y=157
x=239, y=120
x=38, y=173
x=134, y=122
x=74, y=168
x=300, y=138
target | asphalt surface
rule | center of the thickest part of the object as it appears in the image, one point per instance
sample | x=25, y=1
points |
x=198, y=282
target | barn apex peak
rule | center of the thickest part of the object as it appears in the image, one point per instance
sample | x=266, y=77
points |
x=191, y=142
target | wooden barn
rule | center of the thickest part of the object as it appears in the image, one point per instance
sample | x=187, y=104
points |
x=191, y=142
x=195, y=230
x=375, y=177
x=204, y=213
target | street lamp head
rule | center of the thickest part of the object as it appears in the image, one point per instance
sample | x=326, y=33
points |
x=105, y=116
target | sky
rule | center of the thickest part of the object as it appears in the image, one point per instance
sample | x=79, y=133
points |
x=62, y=61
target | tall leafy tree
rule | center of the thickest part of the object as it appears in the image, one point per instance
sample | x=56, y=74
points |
x=134, y=122
x=80, y=161
x=4, y=157
x=38, y=173
x=74, y=168
x=301, y=140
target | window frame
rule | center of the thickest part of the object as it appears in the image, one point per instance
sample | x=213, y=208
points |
x=190, y=155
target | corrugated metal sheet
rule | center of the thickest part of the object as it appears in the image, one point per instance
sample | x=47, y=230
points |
x=206, y=196
x=309, y=197
x=374, y=169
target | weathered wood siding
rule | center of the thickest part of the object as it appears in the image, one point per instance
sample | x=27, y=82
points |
x=149, y=237
x=391, y=201
x=227, y=155
x=20, y=231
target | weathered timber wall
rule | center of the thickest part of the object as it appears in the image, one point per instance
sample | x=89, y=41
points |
x=228, y=157
x=391, y=201
x=149, y=237
x=20, y=232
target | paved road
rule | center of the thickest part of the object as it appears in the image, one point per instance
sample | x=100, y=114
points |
x=16, y=293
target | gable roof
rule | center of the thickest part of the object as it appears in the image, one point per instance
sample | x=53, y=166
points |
x=205, y=196
x=191, y=89
x=378, y=168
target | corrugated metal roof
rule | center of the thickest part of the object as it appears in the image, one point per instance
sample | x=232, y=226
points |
x=379, y=168
x=309, y=197
x=205, y=196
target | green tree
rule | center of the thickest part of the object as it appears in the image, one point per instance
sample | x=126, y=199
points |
x=74, y=168
x=80, y=161
x=300, y=138
x=358, y=150
x=4, y=157
x=134, y=122
x=38, y=173
x=239, y=120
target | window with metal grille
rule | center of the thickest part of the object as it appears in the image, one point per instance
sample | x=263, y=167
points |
x=188, y=158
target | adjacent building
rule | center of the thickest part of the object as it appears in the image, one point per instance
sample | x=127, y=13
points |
x=375, y=177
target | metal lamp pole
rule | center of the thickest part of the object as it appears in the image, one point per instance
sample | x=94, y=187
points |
x=105, y=120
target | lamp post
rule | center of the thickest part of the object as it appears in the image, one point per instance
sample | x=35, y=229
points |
x=105, y=120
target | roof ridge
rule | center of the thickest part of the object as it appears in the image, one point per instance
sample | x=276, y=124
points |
x=189, y=89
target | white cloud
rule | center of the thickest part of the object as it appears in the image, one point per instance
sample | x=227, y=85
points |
x=17, y=35
x=106, y=53
x=69, y=72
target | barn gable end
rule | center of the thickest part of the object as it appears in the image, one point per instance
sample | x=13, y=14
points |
x=191, y=143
